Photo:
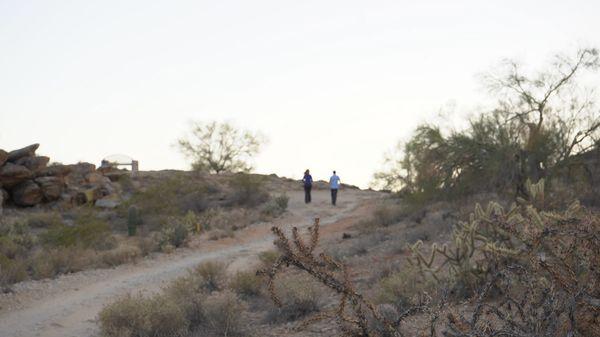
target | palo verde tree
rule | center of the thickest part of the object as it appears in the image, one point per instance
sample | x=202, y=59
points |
x=541, y=119
x=220, y=147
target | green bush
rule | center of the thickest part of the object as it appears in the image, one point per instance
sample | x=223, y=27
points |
x=174, y=233
x=248, y=190
x=88, y=231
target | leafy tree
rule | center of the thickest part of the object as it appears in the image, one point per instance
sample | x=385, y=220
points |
x=220, y=147
x=540, y=120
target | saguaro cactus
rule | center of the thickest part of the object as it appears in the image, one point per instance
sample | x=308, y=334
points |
x=133, y=220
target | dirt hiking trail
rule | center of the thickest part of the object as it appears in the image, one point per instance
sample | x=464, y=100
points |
x=68, y=306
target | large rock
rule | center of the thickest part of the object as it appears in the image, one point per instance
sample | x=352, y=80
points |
x=96, y=178
x=78, y=174
x=34, y=164
x=3, y=157
x=55, y=170
x=52, y=187
x=28, y=151
x=27, y=193
x=13, y=174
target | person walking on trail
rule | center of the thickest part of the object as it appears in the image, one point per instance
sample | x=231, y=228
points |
x=307, y=186
x=334, y=185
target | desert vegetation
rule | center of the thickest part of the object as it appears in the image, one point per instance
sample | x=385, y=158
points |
x=159, y=214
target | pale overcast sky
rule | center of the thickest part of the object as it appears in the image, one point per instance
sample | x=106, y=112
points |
x=333, y=84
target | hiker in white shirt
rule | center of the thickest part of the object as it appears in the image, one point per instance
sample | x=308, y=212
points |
x=334, y=185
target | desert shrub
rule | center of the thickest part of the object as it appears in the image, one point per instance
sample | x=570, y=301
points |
x=189, y=294
x=169, y=197
x=120, y=255
x=51, y=262
x=268, y=257
x=386, y=214
x=248, y=190
x=17, y=233
x=245, y=283
x=299, y=297
x=138, y=316
x=88, y=231
x=146, y=245
x=223, y=312
x=217, y=234
x=404, y=289
x=225, y=221
x=11, y=271
x=44, y=219
x=276, y=206
x=211, y=275
x=174, y=233
x=11, y=249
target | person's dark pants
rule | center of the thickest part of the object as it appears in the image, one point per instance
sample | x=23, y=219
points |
x=333, y=196
x=307, y=194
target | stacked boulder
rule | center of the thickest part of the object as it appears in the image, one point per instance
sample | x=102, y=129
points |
x=27, y=180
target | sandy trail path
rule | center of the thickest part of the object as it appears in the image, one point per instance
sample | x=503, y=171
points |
x=68, y=306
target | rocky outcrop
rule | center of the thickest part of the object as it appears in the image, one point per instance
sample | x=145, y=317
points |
x=52, y=187
x=27, y=193
x=27, y=180
x=34, y=164
x=28, y=151
x=13, y=174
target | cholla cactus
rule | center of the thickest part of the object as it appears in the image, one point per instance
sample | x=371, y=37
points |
x=353, y=308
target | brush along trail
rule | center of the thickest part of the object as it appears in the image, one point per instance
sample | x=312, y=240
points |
x=68, y=306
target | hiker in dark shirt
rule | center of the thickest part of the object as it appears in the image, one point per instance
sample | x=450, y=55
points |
x=307, y=180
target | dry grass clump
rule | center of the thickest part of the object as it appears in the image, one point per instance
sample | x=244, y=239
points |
x=387, y=214
x=299, y=297
x=51, y=262
x=189, y=294
x=224, y=314
x=276, y=206
x=44, y=219
x=139, y=316
x=124, y=253
x=246, y=284
x=404, y=289
x=268, y=257
x=211, y=275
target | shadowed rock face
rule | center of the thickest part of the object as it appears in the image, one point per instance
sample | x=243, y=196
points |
x=13, y=174
x=27, y=193
x=52, y=187
x=34, y=164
